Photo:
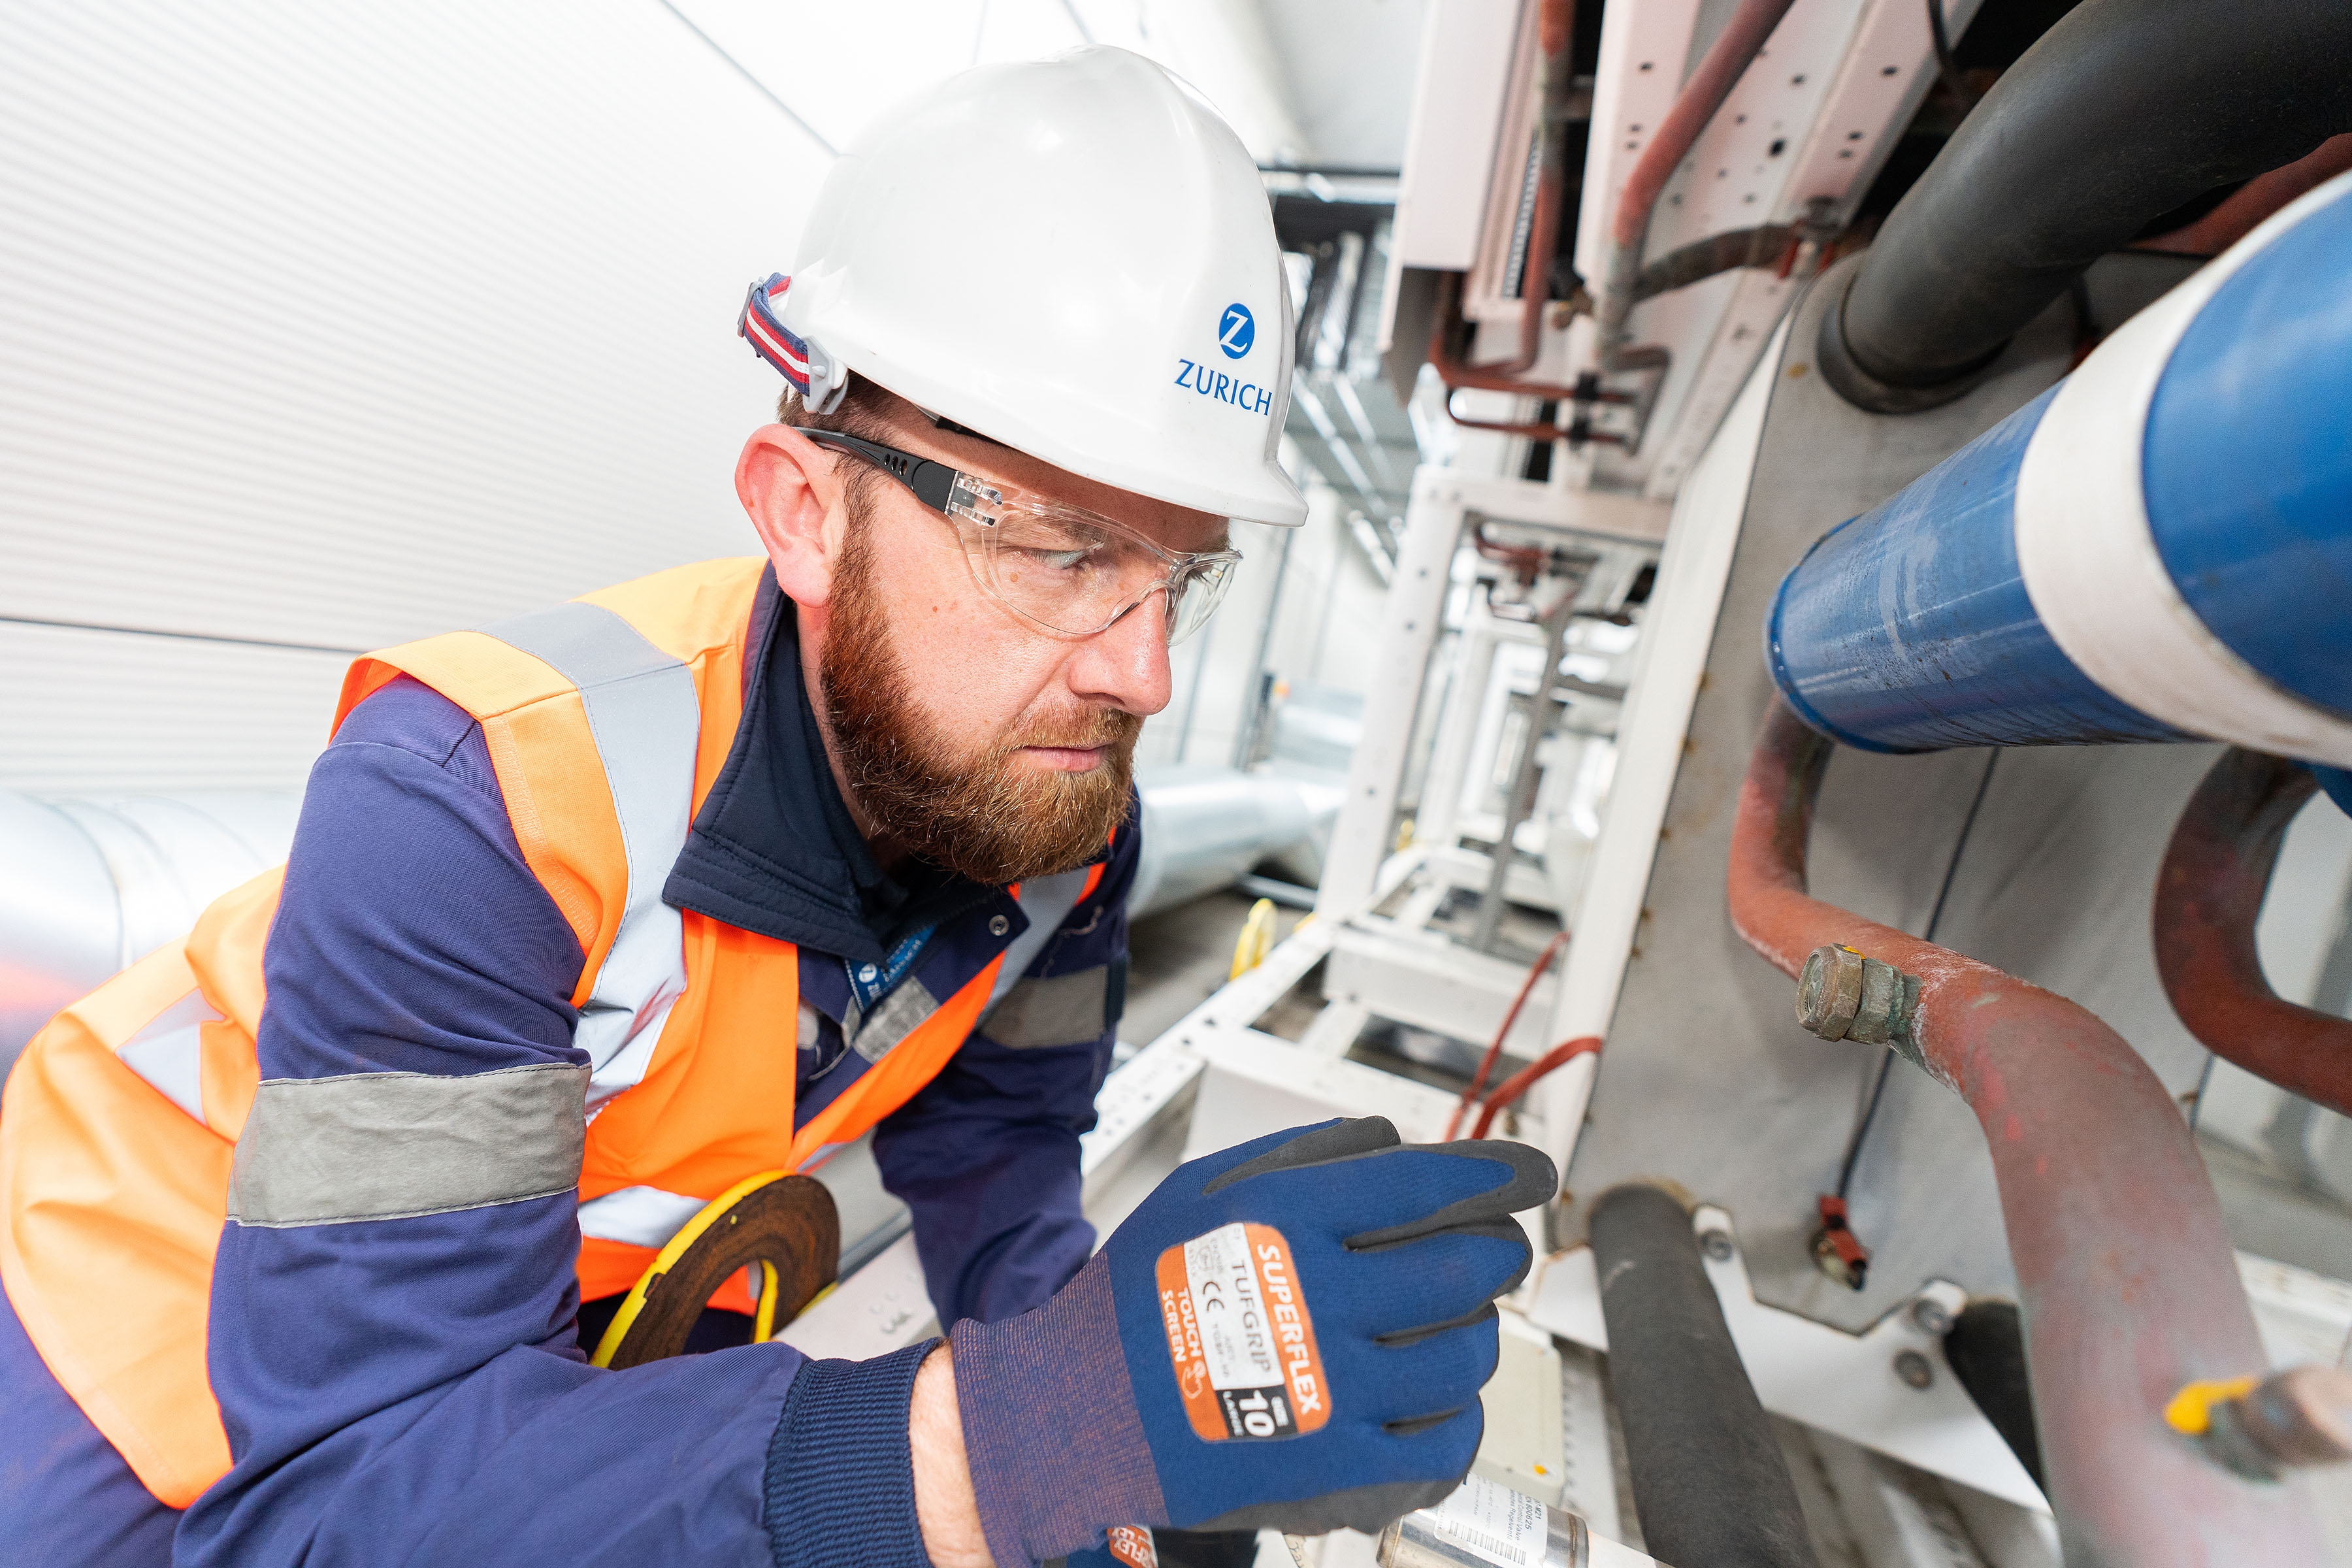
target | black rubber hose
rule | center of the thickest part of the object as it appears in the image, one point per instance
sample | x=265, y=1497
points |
x=1709, y=1481
x=2123, y=110
x=1719, y=253
x=1987, y=1349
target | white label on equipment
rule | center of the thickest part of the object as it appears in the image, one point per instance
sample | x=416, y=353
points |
x=1494, y=1522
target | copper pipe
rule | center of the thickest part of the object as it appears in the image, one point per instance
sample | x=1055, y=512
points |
x=1555, y=31
x=1535, y=429
x=2129, y=1287
x=2255, y=200
x=2208, y=893
x=1554, y=28
x=1459, y=375
x=1734, y=49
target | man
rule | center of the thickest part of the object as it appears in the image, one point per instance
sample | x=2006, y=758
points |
x=313, y=1218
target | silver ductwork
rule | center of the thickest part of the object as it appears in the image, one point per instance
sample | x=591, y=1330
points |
x=1204, y=828
x=90, y=886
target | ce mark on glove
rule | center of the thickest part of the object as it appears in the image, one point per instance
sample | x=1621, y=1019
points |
x=1290, y=1334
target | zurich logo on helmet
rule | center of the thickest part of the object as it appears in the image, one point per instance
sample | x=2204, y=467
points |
x=1236, y=330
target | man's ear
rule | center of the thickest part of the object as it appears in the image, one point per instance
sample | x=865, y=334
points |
x=788, y=489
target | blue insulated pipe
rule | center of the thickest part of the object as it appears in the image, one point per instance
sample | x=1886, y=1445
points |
x=2160, y=548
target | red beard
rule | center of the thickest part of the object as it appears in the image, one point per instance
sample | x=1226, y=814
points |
x=982, y=816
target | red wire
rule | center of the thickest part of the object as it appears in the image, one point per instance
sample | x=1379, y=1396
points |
x=1519, y=1082
x=1494, y=1052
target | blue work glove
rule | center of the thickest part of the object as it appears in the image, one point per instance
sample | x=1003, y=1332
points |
x=1290, y=1334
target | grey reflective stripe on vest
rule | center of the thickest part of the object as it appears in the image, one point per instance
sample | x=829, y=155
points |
x=642, y=1216
x=392, y=1145
x=1047, y=901
x=1067, y=1010
x=169, y=1052
x=647, y=722
x=899, y=1015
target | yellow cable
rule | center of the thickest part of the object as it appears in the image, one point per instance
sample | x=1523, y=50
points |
x=2190, y=1411
x=688, y=1235
x=763, y=1324
x=1256, y=938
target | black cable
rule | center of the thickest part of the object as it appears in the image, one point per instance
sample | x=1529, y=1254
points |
x=2197, y=1100
x=1935, y=918
x=1945, y=66
x=1862, y=1127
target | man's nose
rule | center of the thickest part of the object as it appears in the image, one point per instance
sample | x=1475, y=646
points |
x=1127, y=665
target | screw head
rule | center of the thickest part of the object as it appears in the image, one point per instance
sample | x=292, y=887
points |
x=1930, y=1316
x=998, y=925
x=1914, y=1369
x=1718, y=1245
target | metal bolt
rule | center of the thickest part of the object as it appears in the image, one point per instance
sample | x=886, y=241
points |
x=1914, y=1369
x=1828, y=992
x=2291, y=1419
x=998, y=925
x=1843, y=996
x=1931, y=1317
x=1716, y=1244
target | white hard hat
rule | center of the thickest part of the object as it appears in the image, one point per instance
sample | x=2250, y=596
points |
x=1073, y=256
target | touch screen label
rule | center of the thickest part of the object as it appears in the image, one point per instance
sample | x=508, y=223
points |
x=1240, y=1337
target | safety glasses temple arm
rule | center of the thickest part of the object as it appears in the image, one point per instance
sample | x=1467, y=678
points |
x=933, y=483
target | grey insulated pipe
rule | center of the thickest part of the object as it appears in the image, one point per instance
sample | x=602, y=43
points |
x=2122, y=111
x=1709, y=1482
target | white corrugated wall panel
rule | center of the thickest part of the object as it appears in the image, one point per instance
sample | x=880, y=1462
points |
x=341, y=325
x=96, y=712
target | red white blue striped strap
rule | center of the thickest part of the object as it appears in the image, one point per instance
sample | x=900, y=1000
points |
x=764, y=330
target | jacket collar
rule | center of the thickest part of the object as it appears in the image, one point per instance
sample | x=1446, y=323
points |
x=774, y=849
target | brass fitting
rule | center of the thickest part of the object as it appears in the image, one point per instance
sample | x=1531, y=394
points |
x=1844, y=996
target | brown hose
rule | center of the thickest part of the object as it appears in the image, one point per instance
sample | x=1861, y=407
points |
x=2208, y=894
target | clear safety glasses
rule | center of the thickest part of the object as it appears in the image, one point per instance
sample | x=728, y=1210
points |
x=1063, y=569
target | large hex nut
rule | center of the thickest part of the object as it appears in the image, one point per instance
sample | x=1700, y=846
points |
x=1843, y=996
x=1828, y=992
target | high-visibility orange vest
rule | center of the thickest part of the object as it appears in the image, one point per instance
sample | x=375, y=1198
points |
x=607, y=721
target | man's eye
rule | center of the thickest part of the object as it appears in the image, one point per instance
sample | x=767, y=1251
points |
x=1058, y=560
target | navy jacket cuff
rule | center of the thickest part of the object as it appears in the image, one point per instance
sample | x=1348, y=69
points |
x=841, y=1478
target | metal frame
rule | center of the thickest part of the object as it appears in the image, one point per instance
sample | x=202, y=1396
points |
x=1836, y=87
x=1442, y=501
